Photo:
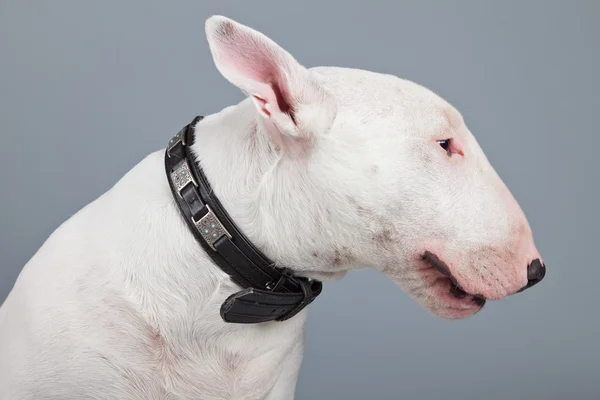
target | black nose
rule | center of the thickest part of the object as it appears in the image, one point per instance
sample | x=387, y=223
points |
x=535, y=273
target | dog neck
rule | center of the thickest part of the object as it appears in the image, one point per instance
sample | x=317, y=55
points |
x=235, y=154
x=271, y=292
x=256, y=180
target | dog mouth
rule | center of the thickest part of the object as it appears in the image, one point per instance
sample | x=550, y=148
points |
x=456, y=291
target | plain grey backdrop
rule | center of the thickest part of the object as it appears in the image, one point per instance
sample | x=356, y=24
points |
x=87, y=89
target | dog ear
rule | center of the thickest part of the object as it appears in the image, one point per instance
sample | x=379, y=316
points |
x=293, y=105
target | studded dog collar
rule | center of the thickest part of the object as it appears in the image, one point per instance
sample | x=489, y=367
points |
x=270, y=293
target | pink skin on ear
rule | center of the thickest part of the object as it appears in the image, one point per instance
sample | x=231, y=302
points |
x=291, y=103
x=261, y=104
x=255, y=65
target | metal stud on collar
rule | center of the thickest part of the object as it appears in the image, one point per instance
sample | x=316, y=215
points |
x=175, y=140
x=211, y=228
x=182, y=176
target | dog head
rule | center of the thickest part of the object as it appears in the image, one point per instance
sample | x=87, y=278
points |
x=370, y=170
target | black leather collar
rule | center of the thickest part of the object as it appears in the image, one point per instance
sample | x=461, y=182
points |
x=270, y=293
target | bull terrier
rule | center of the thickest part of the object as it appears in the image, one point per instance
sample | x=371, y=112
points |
x=316, y=173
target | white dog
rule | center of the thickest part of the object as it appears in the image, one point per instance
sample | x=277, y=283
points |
x=325, y=170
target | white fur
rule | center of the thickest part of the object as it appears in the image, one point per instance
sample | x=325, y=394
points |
x=121, y=302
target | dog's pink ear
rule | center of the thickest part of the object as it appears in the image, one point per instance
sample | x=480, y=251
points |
x=290, y=99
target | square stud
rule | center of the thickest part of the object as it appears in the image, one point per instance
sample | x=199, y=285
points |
x=211, y=228
x=174, y=141
x=182, y=176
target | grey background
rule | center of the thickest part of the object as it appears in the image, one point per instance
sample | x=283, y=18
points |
x=89, y=88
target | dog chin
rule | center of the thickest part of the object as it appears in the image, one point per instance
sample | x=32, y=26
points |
x=452, y=313
x=445, y=300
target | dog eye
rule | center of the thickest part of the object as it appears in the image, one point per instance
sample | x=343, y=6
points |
x=444, y=144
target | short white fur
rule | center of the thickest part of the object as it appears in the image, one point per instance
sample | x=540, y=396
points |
x=327, y=170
